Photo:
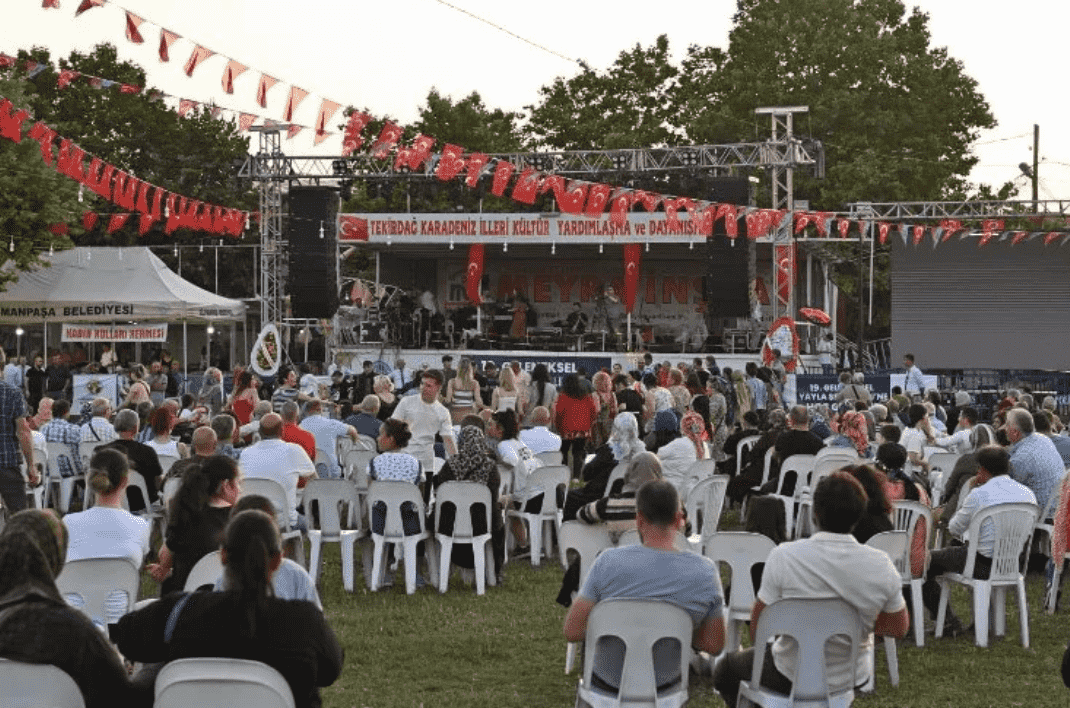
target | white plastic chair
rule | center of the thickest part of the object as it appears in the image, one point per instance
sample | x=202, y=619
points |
x=617, y=474
x=587, y=540
x=846, y=453
x=742, y=447
x=221, y=683
x=811, y=623
x=741, y=551
x=941, y=465
x=205, y=571
x=34, y=685
x=277, y=496
x=465, y=496
x=92, y=585
x=393, y=494
x=167, y=461
x=704, y=503
x=1043, y=529
x=55, y=451
x=36, y=495
x=906, y=515
x=550, y=457
x=327, y=495
x=1013, y=527
x=549, y=479
x=639, y=624
x=897, y=545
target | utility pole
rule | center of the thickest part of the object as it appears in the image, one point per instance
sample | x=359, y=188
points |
x=1036, y=164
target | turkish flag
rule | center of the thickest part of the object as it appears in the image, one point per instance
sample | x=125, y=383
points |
x=475, y=273
x=633, y=256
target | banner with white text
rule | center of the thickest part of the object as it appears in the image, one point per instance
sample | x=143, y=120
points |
x=74, y=332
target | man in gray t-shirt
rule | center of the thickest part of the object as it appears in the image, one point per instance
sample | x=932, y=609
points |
x=652, y=571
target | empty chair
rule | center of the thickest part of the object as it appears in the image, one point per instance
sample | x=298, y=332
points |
x=587, y=541
x=811, y=623
x=549, y=517
x=326, y=496
x=741, y=551
x=104, y=589
x=907, y=516
x=394, y=495
x=1013, y=528
x=277, y=496
x=704, y=503
x=205, y=572
x=57, y=450
x=742, y=448
x=897, y=545
x=550, y=457
x=221, y=683
x=641, y=626
x=795, y=472
x=465, y=498
x=33, y=685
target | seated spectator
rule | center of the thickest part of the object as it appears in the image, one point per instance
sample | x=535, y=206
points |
x=187, y=412
x=291, y=581
x=473, y=463
x=678, y=455
x=877, y=515
x=1035, y=462
x=162, y=421
x=204, y=446
x=142, y=458
x=107, y=530
x=512, y=453
x=1042, y=424
x=245, y=621
x=623, y=445
x=36, y=624
x=250, y=432
x=286, y=463
x=798, y=439
x=538, y=437
x=961, y=441
x=393, y=464
x=654, y=570
x=891, y=457
x=365, y=419
x=210, y=397
x=293, y=433
x=831, y=564
x=853, y=434
x=224, y=427
x=198, y=514
x=99, y=428
x=59, y=430
x=326, y=432
x=740, y=487
x=917, y=436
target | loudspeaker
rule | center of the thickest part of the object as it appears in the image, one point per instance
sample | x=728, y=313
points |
x=312, y=281
x=725, y=286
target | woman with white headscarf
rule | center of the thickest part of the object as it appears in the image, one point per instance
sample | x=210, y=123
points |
x=623, y=444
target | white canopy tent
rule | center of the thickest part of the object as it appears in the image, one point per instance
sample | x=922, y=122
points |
x=111, y=284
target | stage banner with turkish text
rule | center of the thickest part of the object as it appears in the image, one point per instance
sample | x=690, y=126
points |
x=814, y=389
x=558, y=366
x=73, y=332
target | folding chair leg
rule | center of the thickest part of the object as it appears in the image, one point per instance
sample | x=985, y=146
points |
x=315, y=556
x=941, y=614
x=348, y=545
x=892, y=653
x=446, y=546
x=378, y=561
x=918, y=606
x=981, y=602
x=570, y=656
x=480, y=560
x=1023, y=613
x=535, y=540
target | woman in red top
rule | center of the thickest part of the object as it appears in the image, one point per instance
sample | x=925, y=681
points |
x=245, y=397
x=574, y=414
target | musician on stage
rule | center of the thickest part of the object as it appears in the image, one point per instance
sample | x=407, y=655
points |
x=576, y=322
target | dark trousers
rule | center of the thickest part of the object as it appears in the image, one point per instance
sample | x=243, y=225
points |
x=949, y=560
x=735, y=668
x=578, y=448
x=12, y=489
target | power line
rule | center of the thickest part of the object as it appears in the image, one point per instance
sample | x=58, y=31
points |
x=1003, y=140
x=509, y=32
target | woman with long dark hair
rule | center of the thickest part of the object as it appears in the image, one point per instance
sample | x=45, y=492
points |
x=876, y=518
x=244, y=621
x=162, y=421
x=574, y=414
x=540, y=393
x=198, y=515
x=245, y=396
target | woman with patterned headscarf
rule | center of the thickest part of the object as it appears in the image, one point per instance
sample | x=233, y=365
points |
x=36, y=624
x=624, y=444
x=714, y=409
x=473, y=463
x=853, y=433
x=744, y=401
x=679, y=455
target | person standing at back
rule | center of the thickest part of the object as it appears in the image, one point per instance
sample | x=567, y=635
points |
x=15, y=436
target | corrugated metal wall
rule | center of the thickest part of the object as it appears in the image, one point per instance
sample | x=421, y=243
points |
x=1000, y=306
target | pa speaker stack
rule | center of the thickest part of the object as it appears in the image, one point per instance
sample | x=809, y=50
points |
x=313, y=251
x=725, y=287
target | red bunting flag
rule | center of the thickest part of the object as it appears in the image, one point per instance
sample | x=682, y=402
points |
x=245, y=121
x=386, y=141
x=919, y=234
x=11, y=123
x=844, y=226
x=475, y=273
x=503, y=172
x=132, y=31
x=129, y=88
x=198, y=55
x=266, y=82
x=882, y=229
x=145, y=222
x=292, y=131
x=6, y=61
x=185, y=105
x=89, y=220
x=327, y=110
x=633, y=255
x=950, y=227
x=1018, y=237
x=1051, y=236
x=66, y=77
x=296, y=96
x=785, y=271
x=167, y=38
x=989, y=228
x=117, y=222
x=527, y=186
x=60, y=229
x=597, y=196
x=50, y=4
x=802, y=220
x=88, y=5
x=232, y=70
x=619, y=204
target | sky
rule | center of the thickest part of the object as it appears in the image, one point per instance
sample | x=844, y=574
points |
x=387, y=56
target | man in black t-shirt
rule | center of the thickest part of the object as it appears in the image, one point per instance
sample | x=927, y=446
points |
x=796, y=440
x=628, y=397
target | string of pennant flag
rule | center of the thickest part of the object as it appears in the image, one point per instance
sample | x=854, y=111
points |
x=523, y=183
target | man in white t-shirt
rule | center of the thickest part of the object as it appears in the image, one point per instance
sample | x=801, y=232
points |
x=426, y=418
x=917, y=436
x=326, y=431
x=538, y=437
x=286, y=463
x=831, y=564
